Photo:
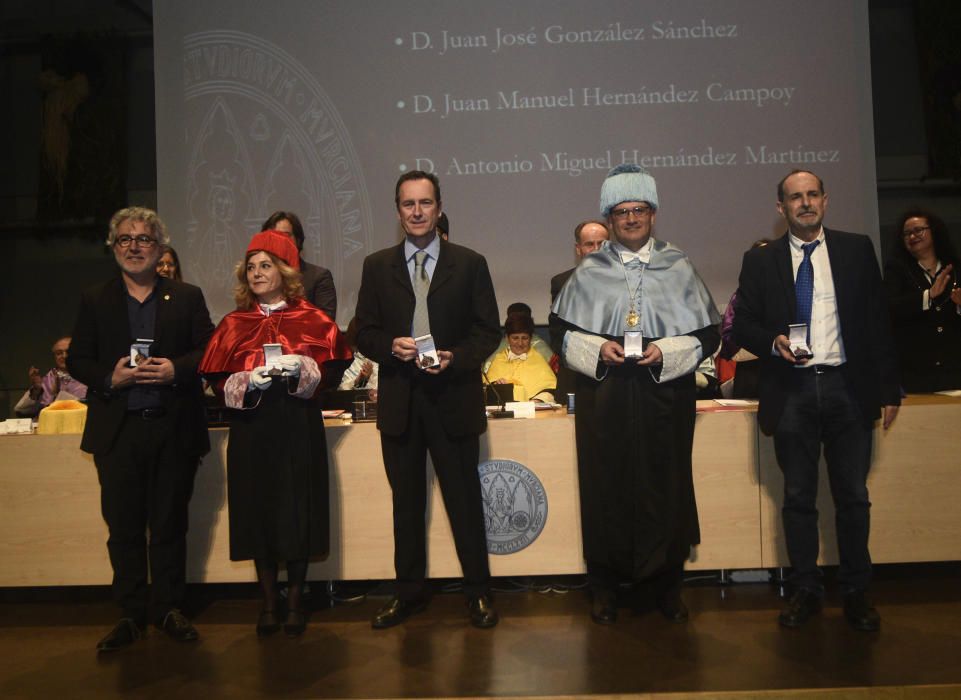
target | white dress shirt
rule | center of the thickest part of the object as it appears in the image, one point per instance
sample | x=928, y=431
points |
x=430, y=262
x=825, y=328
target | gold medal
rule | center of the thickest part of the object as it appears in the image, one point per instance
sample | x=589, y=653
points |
x=632, y=318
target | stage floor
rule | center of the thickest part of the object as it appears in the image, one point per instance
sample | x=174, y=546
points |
x=545, y=645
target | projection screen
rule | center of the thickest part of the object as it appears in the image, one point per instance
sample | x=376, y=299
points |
x=520, y=107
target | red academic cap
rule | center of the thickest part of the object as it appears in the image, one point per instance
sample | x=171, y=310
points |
x=278, y=244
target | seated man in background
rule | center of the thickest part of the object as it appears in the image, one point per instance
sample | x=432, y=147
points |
x=588, y=236
x=532, y=377
x=45, y=389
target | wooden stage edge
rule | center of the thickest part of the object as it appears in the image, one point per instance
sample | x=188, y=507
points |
x=894, y=692
x=54, y=535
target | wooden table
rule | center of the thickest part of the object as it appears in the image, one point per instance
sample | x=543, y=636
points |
x=53, y=534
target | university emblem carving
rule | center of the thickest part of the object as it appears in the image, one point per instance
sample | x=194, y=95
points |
x=262, y=134
x=515, y=505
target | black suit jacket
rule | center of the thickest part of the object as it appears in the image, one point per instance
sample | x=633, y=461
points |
x=319, y=288
x=558, y=281
x=463, y=319
x=102, y=336
x=928, y=342
x=766, y=306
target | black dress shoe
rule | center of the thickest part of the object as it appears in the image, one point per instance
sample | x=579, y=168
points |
x=603, y=609
x=178, y=627
x=672, y=607
x=296, y=623
x=395, y=612
x=482, y=613
x=859, y=613
x=802, y=605
x=124, y=633
x=268, y=623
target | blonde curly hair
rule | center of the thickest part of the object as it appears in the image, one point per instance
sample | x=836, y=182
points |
x=293, y=287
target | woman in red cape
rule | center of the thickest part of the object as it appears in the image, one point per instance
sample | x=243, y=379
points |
x=277, y=484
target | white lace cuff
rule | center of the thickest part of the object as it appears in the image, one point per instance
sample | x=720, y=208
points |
x=236, y=388
x=582, y=352
x=308, y=380
x=681, y=354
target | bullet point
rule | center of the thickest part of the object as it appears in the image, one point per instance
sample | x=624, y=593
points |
x=398, y=41
x=400, y=104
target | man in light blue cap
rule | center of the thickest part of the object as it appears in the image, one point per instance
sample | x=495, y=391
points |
x=634, y=321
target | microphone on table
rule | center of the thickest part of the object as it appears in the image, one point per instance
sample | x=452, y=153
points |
x=502, y=412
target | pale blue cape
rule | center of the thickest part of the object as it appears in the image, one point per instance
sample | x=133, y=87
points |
x=673, y=300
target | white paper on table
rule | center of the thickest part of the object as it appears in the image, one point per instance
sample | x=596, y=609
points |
x=521, y=409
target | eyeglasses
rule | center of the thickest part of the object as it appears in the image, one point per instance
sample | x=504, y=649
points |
x=167, y=265
x=639, y=211
x=916, y=231
x=143, y=240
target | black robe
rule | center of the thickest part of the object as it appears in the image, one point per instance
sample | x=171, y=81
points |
x=634, y=440
x=278, y=494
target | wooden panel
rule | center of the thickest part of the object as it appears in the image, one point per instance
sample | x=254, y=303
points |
x=53, y=534
x=726, y=487
x=914, y=486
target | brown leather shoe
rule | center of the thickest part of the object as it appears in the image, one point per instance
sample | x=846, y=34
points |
x=482, y=613
x=803, y=604
x=395, y=612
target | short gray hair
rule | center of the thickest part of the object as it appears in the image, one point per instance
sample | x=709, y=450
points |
x=150, y=218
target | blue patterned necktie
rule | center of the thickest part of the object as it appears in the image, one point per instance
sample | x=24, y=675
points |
x=804, y=286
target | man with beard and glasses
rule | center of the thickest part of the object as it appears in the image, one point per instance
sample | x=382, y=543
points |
x=811, y=306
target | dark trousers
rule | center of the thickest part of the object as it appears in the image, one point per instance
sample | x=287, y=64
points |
x=821, y=410
x=145, y=484
x=455, y=464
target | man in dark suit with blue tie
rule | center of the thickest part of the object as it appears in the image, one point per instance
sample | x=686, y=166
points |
x=831, y=396
x=424, y=286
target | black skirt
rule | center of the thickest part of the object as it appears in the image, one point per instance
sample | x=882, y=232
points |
x=277, y=482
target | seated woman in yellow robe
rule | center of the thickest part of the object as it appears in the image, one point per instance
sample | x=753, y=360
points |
x=532, y=377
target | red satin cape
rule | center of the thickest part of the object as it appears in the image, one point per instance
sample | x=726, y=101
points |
x=301, y=329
